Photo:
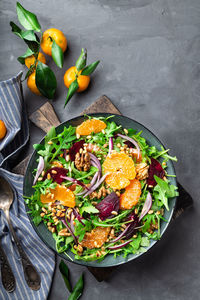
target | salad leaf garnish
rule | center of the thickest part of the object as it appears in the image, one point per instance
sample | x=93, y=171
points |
x=78, y=289
x=64, y=270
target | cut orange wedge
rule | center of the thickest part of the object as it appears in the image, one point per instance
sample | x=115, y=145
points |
x=89, y=126
x=60, y=193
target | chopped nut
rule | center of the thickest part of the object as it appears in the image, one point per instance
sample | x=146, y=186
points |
x=59, y=207
x=102, y=192
x=123, y=226
x=94, y=203
x=81, y=150
x=54, y=172
x=40, y=179
x=54, y=210
x=82, y=161
x=80, y=248
x=89, y=137
x=49, y=224
x=44, y=210
x=118, y=145
x=158, y=212
x=64, y=232
x=49, y=176
x=126, y=131
x=117, y=193
x=78, y=136
x=42, y=214
x=136, y=211
x=150, y=212
x=105, y=145
x=135, y=236
x=53, y=230
x=114, y=212
x=53, y=214
x=141, y=171
x=43, y=173
x=49, y=228
x=67, y=158
x=50, y=143
x=58, y=213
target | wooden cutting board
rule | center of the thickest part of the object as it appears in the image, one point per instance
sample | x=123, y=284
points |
x=45, y=117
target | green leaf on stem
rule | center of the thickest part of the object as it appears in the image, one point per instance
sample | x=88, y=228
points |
x=81, y=61
x=65, y=274
x=21, y=58
x=78, y=289
x=57, y=54
x=71, y=91
x=27, y=19
x=29, y=35
x=15, y=29
x=45, y=80
x=29, y=72
x=90, y=69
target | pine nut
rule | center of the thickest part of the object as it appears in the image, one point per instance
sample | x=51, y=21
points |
x=50, y=143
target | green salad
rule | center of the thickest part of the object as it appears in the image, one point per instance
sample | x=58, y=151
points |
x=100, y=189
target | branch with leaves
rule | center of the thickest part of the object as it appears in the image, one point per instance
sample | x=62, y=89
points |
x=45, y=79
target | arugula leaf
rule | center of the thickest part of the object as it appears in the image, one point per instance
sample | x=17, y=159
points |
x=88, y=208
x=111, y=128
x=81, y=229
x=64, y=270
x=163, y=191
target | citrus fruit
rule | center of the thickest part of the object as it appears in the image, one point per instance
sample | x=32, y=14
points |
x=32, y=85
x=51, y=35
x=29, y=61
x=89, y=126
x=3, y=129
x=131, y=195
x=71, y=74
x=117, y=180
x=121, y=166
x=60, y=193
x=96, y=238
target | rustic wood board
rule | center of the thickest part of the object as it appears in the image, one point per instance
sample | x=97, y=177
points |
x=45, y=117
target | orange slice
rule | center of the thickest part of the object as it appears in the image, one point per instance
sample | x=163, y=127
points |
x=123, y=167
x=60, y=193
x=131, y=195
x=96, y=238
x=89, y=126
x=117, y=180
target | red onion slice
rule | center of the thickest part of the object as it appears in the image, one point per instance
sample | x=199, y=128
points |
x=120, y=245
x=110, y=145
x=70, y=230
x=75, y=181
x=122, y=234
x=94, y=179
x=147, y=206
x=71, y=221
x=40, y=168
x=95, y=160
x=97, y=184
x=132, y=141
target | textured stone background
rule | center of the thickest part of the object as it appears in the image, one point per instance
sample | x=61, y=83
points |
x=150, y=68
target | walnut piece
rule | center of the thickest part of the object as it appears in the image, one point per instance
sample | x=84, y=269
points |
x=64, y=232
x=82, y=161
x=141, y=171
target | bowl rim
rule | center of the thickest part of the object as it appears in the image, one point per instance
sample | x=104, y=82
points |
x=95, y=263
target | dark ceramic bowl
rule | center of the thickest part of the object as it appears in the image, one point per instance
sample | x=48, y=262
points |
x=43, y=232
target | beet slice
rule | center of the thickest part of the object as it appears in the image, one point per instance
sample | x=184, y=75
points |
x=75, y=149
x=107, y=205
x=56, y=177
x=155, y=168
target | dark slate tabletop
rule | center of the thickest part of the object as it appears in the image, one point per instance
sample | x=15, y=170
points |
x=150, y=68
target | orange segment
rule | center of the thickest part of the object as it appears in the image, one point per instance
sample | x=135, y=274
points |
x=123, y=167
x=117, y=180
x=96, y=238
x=89, y=126
x=60, y=193
x=131, y=195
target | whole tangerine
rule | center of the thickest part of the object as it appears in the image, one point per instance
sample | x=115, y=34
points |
x=71, y=74
x=29, y=61
x=3, y=129
x=32, y=85
x=51, y=35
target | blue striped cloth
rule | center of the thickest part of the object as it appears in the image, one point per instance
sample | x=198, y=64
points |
x=12, y=112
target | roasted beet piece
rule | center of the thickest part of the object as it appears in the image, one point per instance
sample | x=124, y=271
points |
x=107, y=205
x=155, y=168
x=56, y=177
x=75, y=149
x=129, y=144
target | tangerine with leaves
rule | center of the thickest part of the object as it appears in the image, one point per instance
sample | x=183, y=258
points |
x=60, y=193
x=3, y=129
x=131, y=195
x=120, y=165
x=32, y=85
x=51, y=35
x=72, y=74
x=89, y=126
x=30, y=60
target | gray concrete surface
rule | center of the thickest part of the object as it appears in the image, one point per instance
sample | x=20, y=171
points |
x=150, y=68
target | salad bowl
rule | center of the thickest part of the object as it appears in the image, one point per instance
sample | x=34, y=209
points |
x=46, y=235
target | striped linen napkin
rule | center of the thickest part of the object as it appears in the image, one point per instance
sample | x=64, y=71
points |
x=12, y=112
